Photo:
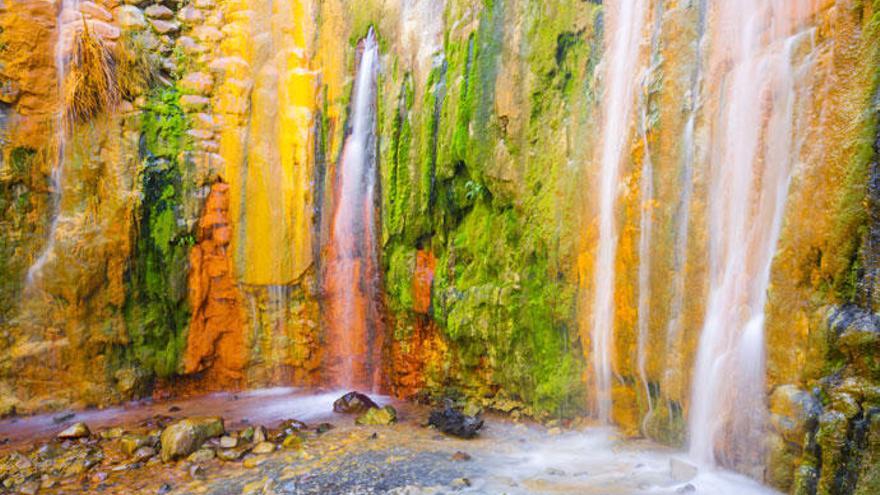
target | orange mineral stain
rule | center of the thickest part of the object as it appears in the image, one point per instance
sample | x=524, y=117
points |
x=215, y=344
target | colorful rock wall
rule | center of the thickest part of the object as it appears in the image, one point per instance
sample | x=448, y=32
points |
x=189, y=223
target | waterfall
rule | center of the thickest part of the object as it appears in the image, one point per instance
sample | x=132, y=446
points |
x=675, y=322
x=352, y=278
x=622, y=36
x=66, y=25
x=646, y=214
x=757, y=48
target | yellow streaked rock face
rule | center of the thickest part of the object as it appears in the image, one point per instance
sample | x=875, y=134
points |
x=268, y=99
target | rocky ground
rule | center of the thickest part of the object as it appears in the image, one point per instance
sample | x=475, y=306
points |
x=260, y=446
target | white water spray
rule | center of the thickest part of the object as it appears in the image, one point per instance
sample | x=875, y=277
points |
x=353, y=229
x=66, y=25
x=623, y=33
x=758, y=46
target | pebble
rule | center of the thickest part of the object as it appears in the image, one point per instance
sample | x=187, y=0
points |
x=461, y=456
x=461, y=483
x=264, y=448
x=228, y=442
x=76, y=430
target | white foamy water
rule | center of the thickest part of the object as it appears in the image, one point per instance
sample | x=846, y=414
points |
x=762, y=52
x=595, y=461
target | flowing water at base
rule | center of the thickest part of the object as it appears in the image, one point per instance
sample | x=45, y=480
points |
x=507, y=457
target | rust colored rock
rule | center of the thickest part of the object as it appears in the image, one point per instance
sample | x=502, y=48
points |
x=423, y=280
x=215, y=344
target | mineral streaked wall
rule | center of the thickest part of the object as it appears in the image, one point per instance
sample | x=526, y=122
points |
x=215, y=343
x=487, y=125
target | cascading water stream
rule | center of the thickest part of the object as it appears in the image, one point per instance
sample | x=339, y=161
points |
x=352, y=277
x=675, y=322
x=623, y=34
x=66, y=26
x=646, y=220
x=759, y=48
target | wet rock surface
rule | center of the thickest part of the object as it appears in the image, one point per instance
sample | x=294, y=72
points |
x=454, y=422
x=378, y=416
x=403, y=457
x=354, y=403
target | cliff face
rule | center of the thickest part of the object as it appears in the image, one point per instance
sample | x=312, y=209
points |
x=171, y=235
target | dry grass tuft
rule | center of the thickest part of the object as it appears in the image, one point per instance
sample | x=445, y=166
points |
x=138, y=66
x=90, y=86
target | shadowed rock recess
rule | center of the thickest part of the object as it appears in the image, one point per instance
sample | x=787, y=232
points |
x=646, y=225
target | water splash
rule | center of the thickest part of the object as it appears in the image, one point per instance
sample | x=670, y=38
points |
x=66, y=26
x=759, y=49
x=352, y=274
x=622, y=37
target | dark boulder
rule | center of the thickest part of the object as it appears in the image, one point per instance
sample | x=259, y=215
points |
x=353, y=403
x=453, y=422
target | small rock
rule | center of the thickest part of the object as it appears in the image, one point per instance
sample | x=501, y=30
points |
x=95, y=11
x=164, y=27
x=207, y=33
x=190, y=15
x=228, y=442
x=197, y=472
x=353, y=403
x=247, y=435
x=112, y=433
x=384, y=416
x=191, y=103
x=185, y=436
x=173, y=409
x=292, y=441
x=128, y=444
x=99, y=477
x=143, y=454
x=264, y=448
x=130, y=17
x=461, y=483
x=104, y=30
x=681, y=470
x=31, y=487
x=252, y=462
x=454, y=423
x=554, y=472
x=76, y=430
x=157, y=11
x=201, y=455
x=197, y=83
x=688, y=488
x=461, y=456
x=323, y=428
x=289, y=427
x=165, y=488
x=230, y=454
x=259, y=434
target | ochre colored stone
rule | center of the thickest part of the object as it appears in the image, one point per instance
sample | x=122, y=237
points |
x=215, y=343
